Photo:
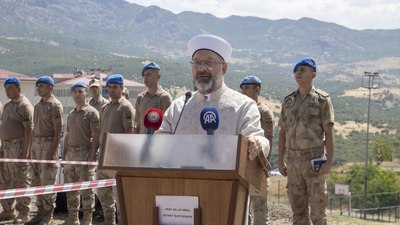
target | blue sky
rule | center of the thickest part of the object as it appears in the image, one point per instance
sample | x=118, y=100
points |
x=354, y=14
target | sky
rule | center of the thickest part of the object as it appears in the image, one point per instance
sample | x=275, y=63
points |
x=354, y=14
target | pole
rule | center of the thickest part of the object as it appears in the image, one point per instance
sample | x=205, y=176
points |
x=279, y=190
x=371, y=85
x=349, y=204
x=366, y=156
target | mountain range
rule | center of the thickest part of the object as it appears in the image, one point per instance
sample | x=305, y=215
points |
x=56, y=36
x=129, y=29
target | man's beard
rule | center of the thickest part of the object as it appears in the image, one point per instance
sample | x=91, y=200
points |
x=205, y=87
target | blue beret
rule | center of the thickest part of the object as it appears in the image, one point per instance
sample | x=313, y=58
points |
x=307, y=61
x=45, y=80
x=250, y=80
x=115, y=79
x=78, y=84
x=12, y=80
x=151, y=65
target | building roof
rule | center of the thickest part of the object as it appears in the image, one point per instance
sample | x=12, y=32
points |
x=87, y=78
x=6, y=73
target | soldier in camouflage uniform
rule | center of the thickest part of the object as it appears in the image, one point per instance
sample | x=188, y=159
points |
x=16, y=135
x=115, y=117
x=251, y=87
x=80, y=144
x=125, y=93
x=306, y=123
x=154, y=97
x=47, y=119
x=97, y=100
x=3, y=178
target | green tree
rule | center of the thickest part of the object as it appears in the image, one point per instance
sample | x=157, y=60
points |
x=382, y=150
x=379, y=181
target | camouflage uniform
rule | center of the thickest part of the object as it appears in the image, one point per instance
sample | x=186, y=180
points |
x=258, y=214
x=303, y=119
x=115, y=117
x=3, y=178
x=161, y=100
x=83, y=126
x=100, y=103
x=17, y=115
x=47, y=116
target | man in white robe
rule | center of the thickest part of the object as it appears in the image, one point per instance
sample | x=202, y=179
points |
x=238, y=113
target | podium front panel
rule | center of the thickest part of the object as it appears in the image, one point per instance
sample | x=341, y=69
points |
x=202, y=152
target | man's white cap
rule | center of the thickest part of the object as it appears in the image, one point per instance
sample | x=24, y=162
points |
x=210, y=42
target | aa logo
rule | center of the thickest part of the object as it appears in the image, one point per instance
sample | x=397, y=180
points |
x=210, y=117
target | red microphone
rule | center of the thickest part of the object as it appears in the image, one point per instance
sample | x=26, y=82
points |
x=153, y=119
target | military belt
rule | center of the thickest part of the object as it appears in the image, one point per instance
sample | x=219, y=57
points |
x=78, y=148
x=306, y=153
x=42, y=138
x=13, y=140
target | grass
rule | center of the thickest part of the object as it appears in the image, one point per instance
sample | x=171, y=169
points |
x=277, y=193
x=352, y=220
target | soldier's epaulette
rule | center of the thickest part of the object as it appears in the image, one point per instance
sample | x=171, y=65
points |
x=321, y=93
x=290, y=94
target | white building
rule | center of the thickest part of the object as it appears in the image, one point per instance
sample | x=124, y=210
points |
x=62, y=85
x=27, y=86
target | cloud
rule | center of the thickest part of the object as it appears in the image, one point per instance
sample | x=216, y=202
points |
x=355, y=14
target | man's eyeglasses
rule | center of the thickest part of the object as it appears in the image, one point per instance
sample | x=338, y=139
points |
x=208, y=63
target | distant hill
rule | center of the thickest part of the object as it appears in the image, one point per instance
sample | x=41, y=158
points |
x=121, y=27
x=54, y=36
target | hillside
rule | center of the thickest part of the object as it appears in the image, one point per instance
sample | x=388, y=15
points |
x=53, y=36
x=121, y=27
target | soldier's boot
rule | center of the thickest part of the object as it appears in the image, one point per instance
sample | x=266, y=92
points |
x=37, y=218
x=47, y=218
x=7, y=215
x=109, y=218
x=22, y=217
x=87, y=218
x=73, y=218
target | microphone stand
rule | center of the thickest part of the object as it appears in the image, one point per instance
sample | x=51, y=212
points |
x=187, y=96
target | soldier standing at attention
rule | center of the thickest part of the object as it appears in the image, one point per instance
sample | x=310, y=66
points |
x=81, y=143
x=154, y=97
x=125, y=93
x=306, y=123
x=16, y=135
x=251, y=87
x=97, y=100
x=115, y=117
x=47, y=120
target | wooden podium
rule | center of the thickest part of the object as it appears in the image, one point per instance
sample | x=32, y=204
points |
x=216, y=169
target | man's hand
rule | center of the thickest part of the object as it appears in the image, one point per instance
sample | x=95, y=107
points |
x=282, y=168
x=92, y=158
x=25, y=155
x=255, y=147
x=325, y=168
x=50, y=156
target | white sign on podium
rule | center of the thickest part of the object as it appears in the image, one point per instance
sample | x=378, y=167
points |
x=176, y=210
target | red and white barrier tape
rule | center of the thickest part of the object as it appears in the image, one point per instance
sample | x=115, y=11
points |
x=49, y=161
x=50, y=189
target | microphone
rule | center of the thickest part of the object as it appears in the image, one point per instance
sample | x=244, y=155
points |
x=209, y=119
x=153, y=119
x=188, y=95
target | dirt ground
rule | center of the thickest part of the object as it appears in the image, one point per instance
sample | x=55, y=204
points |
x=280, y=214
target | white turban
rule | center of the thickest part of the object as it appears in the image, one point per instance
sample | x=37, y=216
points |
x=210, y=42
